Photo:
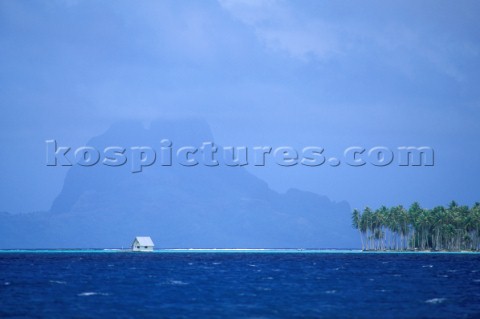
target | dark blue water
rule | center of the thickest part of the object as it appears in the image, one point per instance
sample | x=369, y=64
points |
x=221, y=285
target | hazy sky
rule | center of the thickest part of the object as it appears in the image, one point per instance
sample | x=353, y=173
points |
x=330, y=74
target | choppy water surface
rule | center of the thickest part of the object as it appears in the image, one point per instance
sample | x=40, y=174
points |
x=239, y=284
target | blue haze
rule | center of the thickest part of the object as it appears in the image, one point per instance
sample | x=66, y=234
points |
x=259, y=73
x=179, y=206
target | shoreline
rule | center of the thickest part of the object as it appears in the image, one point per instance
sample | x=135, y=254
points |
x=231, y=250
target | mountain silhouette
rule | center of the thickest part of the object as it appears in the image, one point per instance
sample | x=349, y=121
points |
x=178, y=206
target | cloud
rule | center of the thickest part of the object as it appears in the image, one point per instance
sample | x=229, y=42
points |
x=276, y=26
x=398, y=37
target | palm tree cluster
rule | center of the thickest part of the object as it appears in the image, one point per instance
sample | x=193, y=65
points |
x=397, y=228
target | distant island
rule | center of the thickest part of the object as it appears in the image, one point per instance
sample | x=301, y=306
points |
x=452, y=228
x=178, y=206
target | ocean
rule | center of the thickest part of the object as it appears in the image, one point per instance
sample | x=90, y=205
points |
x=238, y=284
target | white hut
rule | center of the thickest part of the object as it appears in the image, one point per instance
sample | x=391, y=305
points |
x=142, y=244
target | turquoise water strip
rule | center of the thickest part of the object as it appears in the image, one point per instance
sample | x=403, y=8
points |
x=221, y=251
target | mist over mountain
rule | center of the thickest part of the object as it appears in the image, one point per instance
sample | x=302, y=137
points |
x=178, y=206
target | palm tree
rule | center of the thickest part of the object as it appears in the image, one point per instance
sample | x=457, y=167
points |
x=356, y=224
x=452, y=228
